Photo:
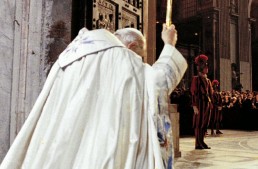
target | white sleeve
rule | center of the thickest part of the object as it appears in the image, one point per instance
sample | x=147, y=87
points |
x=169, y=68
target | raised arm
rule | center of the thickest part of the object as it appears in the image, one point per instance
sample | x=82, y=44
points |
x=171, y=65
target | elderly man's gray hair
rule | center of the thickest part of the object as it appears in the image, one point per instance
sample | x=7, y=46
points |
x=128, y=35
x=131, y=35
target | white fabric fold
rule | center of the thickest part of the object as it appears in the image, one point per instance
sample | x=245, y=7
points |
x=97, y=110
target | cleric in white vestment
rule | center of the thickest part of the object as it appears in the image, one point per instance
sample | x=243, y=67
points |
x=101, y=108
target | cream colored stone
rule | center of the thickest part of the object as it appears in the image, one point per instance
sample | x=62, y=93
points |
x=174, y=117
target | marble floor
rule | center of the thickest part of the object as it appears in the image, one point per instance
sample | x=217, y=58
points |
x=230, y=150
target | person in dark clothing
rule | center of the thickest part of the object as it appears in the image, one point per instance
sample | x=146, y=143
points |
x=216, y=115
x=202, y=93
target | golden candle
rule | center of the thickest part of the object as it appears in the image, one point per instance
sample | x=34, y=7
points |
x=169, y=13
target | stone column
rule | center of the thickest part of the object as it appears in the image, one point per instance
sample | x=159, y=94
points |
x=174, y=117
x=27, y=60
x=6, y=51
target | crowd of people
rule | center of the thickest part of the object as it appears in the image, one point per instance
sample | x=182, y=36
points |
x=240, y=99
x=239, y=109
x=231, y=99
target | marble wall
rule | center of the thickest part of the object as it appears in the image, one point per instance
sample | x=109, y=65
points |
x=246, y=76
x=7, y=11
x=225, y=74
x=32, y=34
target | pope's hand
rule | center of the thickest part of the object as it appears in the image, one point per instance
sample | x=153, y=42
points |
x=169, y=34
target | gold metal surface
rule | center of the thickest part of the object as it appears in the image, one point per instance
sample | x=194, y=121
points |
x=169, y=13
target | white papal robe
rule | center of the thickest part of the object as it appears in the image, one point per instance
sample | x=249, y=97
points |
x=98, y=109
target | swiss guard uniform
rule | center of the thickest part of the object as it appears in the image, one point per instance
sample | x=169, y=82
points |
x=216, y=115
x=202, y=92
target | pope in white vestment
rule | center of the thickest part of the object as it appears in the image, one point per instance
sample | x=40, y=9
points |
x=101, y=108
